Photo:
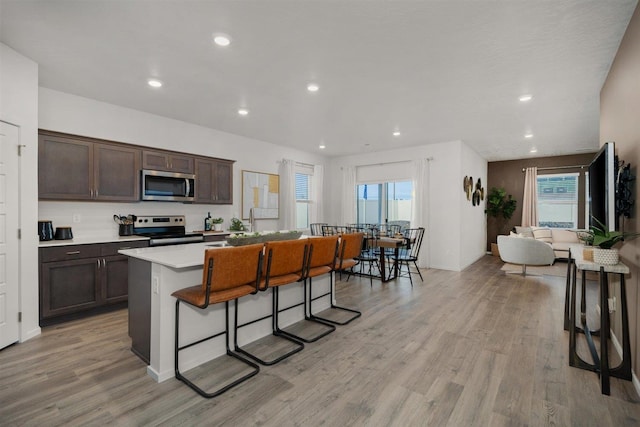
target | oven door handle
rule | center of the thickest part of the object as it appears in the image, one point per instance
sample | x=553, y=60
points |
x=188, y=190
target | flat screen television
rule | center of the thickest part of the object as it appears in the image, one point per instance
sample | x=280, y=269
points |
x=602, y=188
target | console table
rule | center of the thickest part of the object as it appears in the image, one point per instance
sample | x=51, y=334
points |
x=600, y=362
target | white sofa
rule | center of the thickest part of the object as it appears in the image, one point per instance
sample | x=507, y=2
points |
x=525, y=251
x=559, y=238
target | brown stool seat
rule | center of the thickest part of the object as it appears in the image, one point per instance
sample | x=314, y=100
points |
x=195, y=296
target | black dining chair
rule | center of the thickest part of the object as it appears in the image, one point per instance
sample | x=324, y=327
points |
x=316, y=228
x=410, y=252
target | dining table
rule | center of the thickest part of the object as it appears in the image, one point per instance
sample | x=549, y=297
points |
x=384, y=243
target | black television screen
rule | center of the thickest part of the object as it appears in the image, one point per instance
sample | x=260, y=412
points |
x=602, y=190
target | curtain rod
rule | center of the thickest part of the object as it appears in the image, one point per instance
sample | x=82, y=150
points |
x=298, y=163
x=559, y=167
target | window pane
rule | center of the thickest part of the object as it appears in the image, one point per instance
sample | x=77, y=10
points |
x=558, y=200
x=302, y=186
x=399, y=201
x=303, y=197
x=384, y=201
x=302, y=215
x=369, y=207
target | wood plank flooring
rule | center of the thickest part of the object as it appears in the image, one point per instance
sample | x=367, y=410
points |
x=468, y=348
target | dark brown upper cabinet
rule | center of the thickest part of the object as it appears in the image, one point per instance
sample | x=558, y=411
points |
x=167, y=161
x=214, y=181
x=76, y=168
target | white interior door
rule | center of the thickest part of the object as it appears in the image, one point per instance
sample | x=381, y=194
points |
x=9, y=325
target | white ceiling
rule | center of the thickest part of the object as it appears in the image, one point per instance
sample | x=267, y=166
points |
x=437, y=71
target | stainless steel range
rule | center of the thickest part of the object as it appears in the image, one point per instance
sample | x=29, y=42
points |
x=165, y=230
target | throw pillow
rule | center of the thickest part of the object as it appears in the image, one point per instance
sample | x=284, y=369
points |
x=543, y=234
x=524, y=231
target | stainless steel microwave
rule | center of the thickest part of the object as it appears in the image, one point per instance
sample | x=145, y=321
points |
x=167, y=186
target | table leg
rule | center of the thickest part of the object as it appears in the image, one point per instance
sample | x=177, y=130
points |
x=624, y=369
x=383, y=274
x=604, y=333
x=567, y=293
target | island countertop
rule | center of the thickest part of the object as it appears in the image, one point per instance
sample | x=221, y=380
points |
x=174, y=256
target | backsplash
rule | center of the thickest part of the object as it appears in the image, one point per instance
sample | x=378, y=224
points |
x=96, y=218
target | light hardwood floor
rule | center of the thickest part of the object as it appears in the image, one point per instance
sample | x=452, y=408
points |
x=472, y=348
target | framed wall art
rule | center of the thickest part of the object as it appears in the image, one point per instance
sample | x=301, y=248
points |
x=260, y=193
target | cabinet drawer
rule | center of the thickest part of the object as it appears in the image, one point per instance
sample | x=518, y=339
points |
x=109, y=249
x=64, y=253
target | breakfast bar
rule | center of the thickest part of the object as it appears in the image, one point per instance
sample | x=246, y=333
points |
x=156, y=272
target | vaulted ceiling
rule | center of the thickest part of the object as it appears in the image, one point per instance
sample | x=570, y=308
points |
x=434, y=71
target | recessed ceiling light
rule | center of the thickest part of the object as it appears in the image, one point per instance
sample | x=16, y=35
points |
x=243, y=111
x=221, y=40
x=528, y=135
x=154, y=83
x=525, y=98
x=313, y=87
x=396, y=133
x=533, y=150
x=322, y=146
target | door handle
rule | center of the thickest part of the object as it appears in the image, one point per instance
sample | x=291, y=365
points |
x=188, y=187
x=73, y=253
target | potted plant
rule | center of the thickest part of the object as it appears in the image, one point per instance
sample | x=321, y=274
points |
x=217, y=223
x=236, y=225
x=501, y=207
x=603, y=241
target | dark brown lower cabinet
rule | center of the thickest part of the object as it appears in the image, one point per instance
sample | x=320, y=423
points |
x=82, y=278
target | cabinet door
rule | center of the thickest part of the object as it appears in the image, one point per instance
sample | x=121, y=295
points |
x=114, y=277
x=181, y=164
x=204, y=181
x=69, y=286
x=165, y=161
x=224, y=182
x=116, y=173
x=64, y=168
x=155, y=160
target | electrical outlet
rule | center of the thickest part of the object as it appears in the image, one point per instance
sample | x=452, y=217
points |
x=156, y=285
x=612, y=304
x=77, y=218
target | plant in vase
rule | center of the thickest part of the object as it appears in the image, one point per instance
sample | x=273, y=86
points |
x=500, y=207
x=217, y=223
x=236, y=225
x=603, y=241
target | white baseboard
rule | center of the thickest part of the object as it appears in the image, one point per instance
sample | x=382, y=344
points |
x=618, y=347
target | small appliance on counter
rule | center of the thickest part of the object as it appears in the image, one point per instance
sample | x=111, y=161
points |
x=63, y=233
x=45, y=230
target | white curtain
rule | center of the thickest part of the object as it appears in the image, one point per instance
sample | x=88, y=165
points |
x=317, y=208
x=348, y=214
x=287, y=171
x=420, y=205
x=530, y=198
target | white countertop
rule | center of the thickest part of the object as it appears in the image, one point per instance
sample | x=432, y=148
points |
x=174, y=256
x=87, y=240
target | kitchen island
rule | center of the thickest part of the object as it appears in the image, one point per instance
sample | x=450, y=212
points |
x=156, y=272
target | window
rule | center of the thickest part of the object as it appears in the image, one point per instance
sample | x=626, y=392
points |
x=558, y=200
x=303, y=199
x=380, y=202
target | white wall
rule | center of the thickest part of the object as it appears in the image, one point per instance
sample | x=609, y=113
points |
x=473, y=225
x=19, y=106
x=445, y=231
x=63, y=112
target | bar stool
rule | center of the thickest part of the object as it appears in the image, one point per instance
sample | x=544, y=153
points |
x=228, y=274
x=285, y=262
x=349, y=249
x=322, y=255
